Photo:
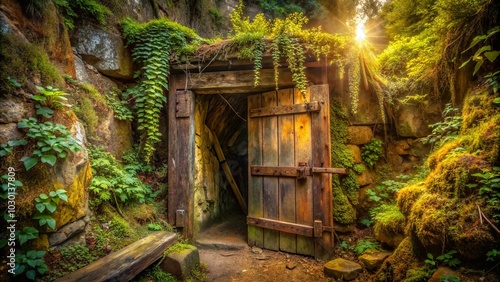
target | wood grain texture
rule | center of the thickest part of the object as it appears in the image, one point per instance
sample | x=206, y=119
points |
x=322, y=182
x=255, y=196
x=286, y=155
x=286, y=227
x=285, y=109
x=125, y=264
x=303, y=151
x=181, y=160
x=270, y=158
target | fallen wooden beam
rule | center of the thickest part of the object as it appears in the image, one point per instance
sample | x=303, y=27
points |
x=229, y=175
x=126, y=263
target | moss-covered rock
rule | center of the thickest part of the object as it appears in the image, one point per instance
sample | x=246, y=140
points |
x=451, y=176
x=389, y=225
x=396, y=266
x=408, y=195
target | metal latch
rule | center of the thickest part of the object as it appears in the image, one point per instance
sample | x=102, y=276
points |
x=302, y=171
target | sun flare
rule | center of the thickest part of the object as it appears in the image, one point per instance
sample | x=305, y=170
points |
x=360, y=32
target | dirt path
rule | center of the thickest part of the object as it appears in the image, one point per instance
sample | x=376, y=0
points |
x=224, y=250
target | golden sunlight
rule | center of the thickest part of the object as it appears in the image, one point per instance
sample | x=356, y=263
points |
x=360, y=32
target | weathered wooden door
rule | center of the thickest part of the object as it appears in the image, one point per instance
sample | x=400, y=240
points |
x=289, y=193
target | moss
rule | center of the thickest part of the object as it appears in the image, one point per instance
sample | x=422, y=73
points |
x=396, y=266
x=420, y=274
x=26, y=63
x=428, y=223
x=343, y=211
x=389, y=219
x=407, y=196
x=177, y=248
x=451, y=175
x=439, y=155
x=86, y=112
x=344, y=189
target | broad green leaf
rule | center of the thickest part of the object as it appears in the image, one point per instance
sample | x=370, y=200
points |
x=50, y=159
x=29, y=162
x=40, y=207
x=491, y=55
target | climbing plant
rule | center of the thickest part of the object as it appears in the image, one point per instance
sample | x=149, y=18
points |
x=153, y=44
x=285, y=39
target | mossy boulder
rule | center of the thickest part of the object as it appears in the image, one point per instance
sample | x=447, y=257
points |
x=342, y=269
x=408, y=195
x=396, y=266
x=389, y=225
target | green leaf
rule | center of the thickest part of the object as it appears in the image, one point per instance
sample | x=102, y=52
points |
x=44, y=111
x=492, y=55
x=40, y=207
x=50, y=159
x=51, y=207
x=52, y=223
x=496, y=101
x=31, y=274
x=29, y=162
x=478, y=65
x=481, y=50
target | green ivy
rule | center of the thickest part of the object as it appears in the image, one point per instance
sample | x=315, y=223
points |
x=372, y=152
x=445, y=130
x=152, y=45
x=46, y=205
x=30, y=262
x=114, y=182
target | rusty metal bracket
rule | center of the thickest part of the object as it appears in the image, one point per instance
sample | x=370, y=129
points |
x=302, y=171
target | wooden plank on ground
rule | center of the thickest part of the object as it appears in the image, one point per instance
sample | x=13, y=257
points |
x=255, y=197
x=322, y=185
x=304, y=210
x=270, y=158
x=126, y=263
x=286, y=144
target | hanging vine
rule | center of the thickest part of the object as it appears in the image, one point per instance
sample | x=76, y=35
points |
x=288, y=40
x=153, y=44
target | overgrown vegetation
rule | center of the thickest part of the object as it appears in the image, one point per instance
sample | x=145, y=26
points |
x=152, y=44
x=116, y=183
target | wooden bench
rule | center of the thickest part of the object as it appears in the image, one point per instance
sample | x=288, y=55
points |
x=126, y=263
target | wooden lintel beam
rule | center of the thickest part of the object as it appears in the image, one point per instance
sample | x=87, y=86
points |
x=286, y=110
x=287, y=227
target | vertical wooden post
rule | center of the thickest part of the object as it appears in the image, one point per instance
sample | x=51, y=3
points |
x=322, y=182
x=180, y=158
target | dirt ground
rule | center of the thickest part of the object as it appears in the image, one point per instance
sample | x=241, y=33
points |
x=224, y=250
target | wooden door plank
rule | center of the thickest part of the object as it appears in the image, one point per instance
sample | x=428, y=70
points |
x=270, y=158
x=255, y=196
x=286, y=150
x=304, y=210
x=322, y=187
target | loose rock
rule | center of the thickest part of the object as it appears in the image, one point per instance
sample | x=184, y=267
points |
x=373, y=261
x=342, y=269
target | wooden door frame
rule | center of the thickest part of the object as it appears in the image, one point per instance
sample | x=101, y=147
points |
x=181, y=127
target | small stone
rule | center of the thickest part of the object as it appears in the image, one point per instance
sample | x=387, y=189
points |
x=256, y=250
x=342, y=269
x=373, y=261
x=291, y=265
x=356, y=153
x=442, y=272
x=359, y=135
x=182, y=263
